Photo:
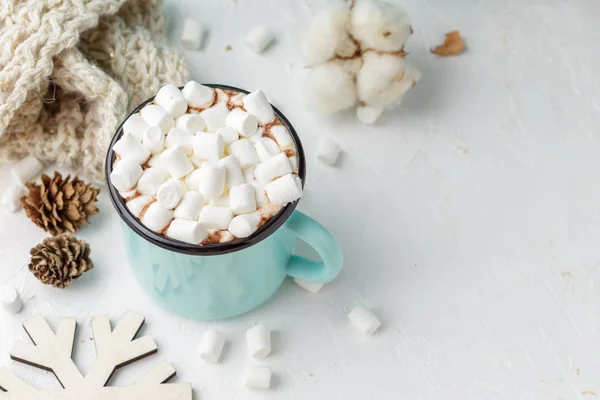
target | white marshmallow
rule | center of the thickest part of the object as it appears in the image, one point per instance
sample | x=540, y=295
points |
x=170, y=98
x=155, y=115
x=11, y=302
x=258, y=340
x=284, y=190
x=221, y=201
x=256, y=103
x=187, y=231
x=244, y=225
x=245, y=153
x=211, y=346
x=215, y=116
x=139, y=204
x=154, y=139
x=151, y=180
x=169, y=193
x=211, y=180
x=266, y=148
x=233, y=174
x=176, y=162
x=226, y=236
x=26, y=169
x=229, y=134
x=191, y=35
x=155, y=160
x=127, y=147
x=257, y=377
x=136, y=126
x=242, y=198
x=125, y=175
x=249, y=175
x=179, y=137
x=190, y=123
x=196, y=161
x=311, y=287
x=257, y=136
x=208, y=146
x=190, y=205
x=259, y=38
x=238, y=99
x=246, y=124
x=327, y=150
x=294, y=163
x=157, y=218
x=259, y=192
x=272, y=168
x=368, y=115
x=283, y=137
x=364, y=320
x=11, y=199
x=215, y=217
x=192, y=180
x=128, y=195
x=198, y=95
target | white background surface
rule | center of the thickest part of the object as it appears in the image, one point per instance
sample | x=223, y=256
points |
x=469, y=219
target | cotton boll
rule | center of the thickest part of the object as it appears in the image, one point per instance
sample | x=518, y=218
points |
x=379, y=25
x=325, y=33
x=329, y=89
x=350, y=65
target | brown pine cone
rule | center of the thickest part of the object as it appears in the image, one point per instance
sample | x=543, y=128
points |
x=60, y=259
x=59, y=205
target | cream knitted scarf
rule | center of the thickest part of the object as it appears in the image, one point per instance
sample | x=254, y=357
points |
x=71, y=70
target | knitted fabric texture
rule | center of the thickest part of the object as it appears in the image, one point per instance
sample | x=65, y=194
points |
x=71, y=70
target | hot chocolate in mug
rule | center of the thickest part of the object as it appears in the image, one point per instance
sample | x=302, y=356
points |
x=217, y=281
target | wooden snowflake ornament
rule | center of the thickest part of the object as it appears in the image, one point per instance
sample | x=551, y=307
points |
x=114, y=348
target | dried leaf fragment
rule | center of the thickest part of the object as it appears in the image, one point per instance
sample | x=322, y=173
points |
x=452, y=46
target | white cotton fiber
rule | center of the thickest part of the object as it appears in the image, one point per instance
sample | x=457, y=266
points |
x=379, y=25
x=325, y=33
x=329, y=89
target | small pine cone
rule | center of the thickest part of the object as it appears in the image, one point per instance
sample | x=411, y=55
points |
x=60, y=259
x=59, y=205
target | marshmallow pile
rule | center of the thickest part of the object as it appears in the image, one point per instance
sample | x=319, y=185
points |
x=356, y=54
x=204, y=165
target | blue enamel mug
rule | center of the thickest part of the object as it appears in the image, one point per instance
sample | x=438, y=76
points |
x=218, y=281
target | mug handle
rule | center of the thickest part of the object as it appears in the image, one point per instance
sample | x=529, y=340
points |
x=320, y=239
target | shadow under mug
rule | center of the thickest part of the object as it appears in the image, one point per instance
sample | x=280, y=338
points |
x=217, y=281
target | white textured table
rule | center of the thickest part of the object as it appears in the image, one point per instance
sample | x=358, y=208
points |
x=470, y=220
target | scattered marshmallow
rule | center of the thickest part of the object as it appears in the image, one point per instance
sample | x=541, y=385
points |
x=136, y=126
x=261, y=196
x=170, y=98
x=151, y=180
x=211, y=346
x=221, y=201
x=249, y=175
x=196, y=161
x=244, y=225
x=229, y=134
x=257, y=104
x=259, y=38
x=157, y=218
x=179, y=137
x=176, y=162
x=266, y=148
x=242, y=199
x=10, y=299
x=198, y=95
x=272, y=168
x=257, y=377
x=26, y=169
x=215, y=116
x=215, y=217
x=364, y=320
x=191, y=35
x=284, y=190
x=368, y=115
x=190, y=205
x=154, y=139
x=187, y=231
x=192, y=180
x=155, y=160
x=127, y=147
x=245, y=153
x=233, y=172
x=155, y=115
x=246, y=124
x=169, y=194
x=327, y=150
x=211, y=181
x=283, y=137
x=138, y=204
x=258, y=339
x=192, y=123
x=125, y=175
x=11, y=199
x=208, y=146
x=311, y=287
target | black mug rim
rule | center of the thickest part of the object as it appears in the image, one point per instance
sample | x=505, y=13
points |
x=208, y=249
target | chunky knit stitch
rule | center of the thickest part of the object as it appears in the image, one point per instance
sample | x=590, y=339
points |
x=70, y=70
